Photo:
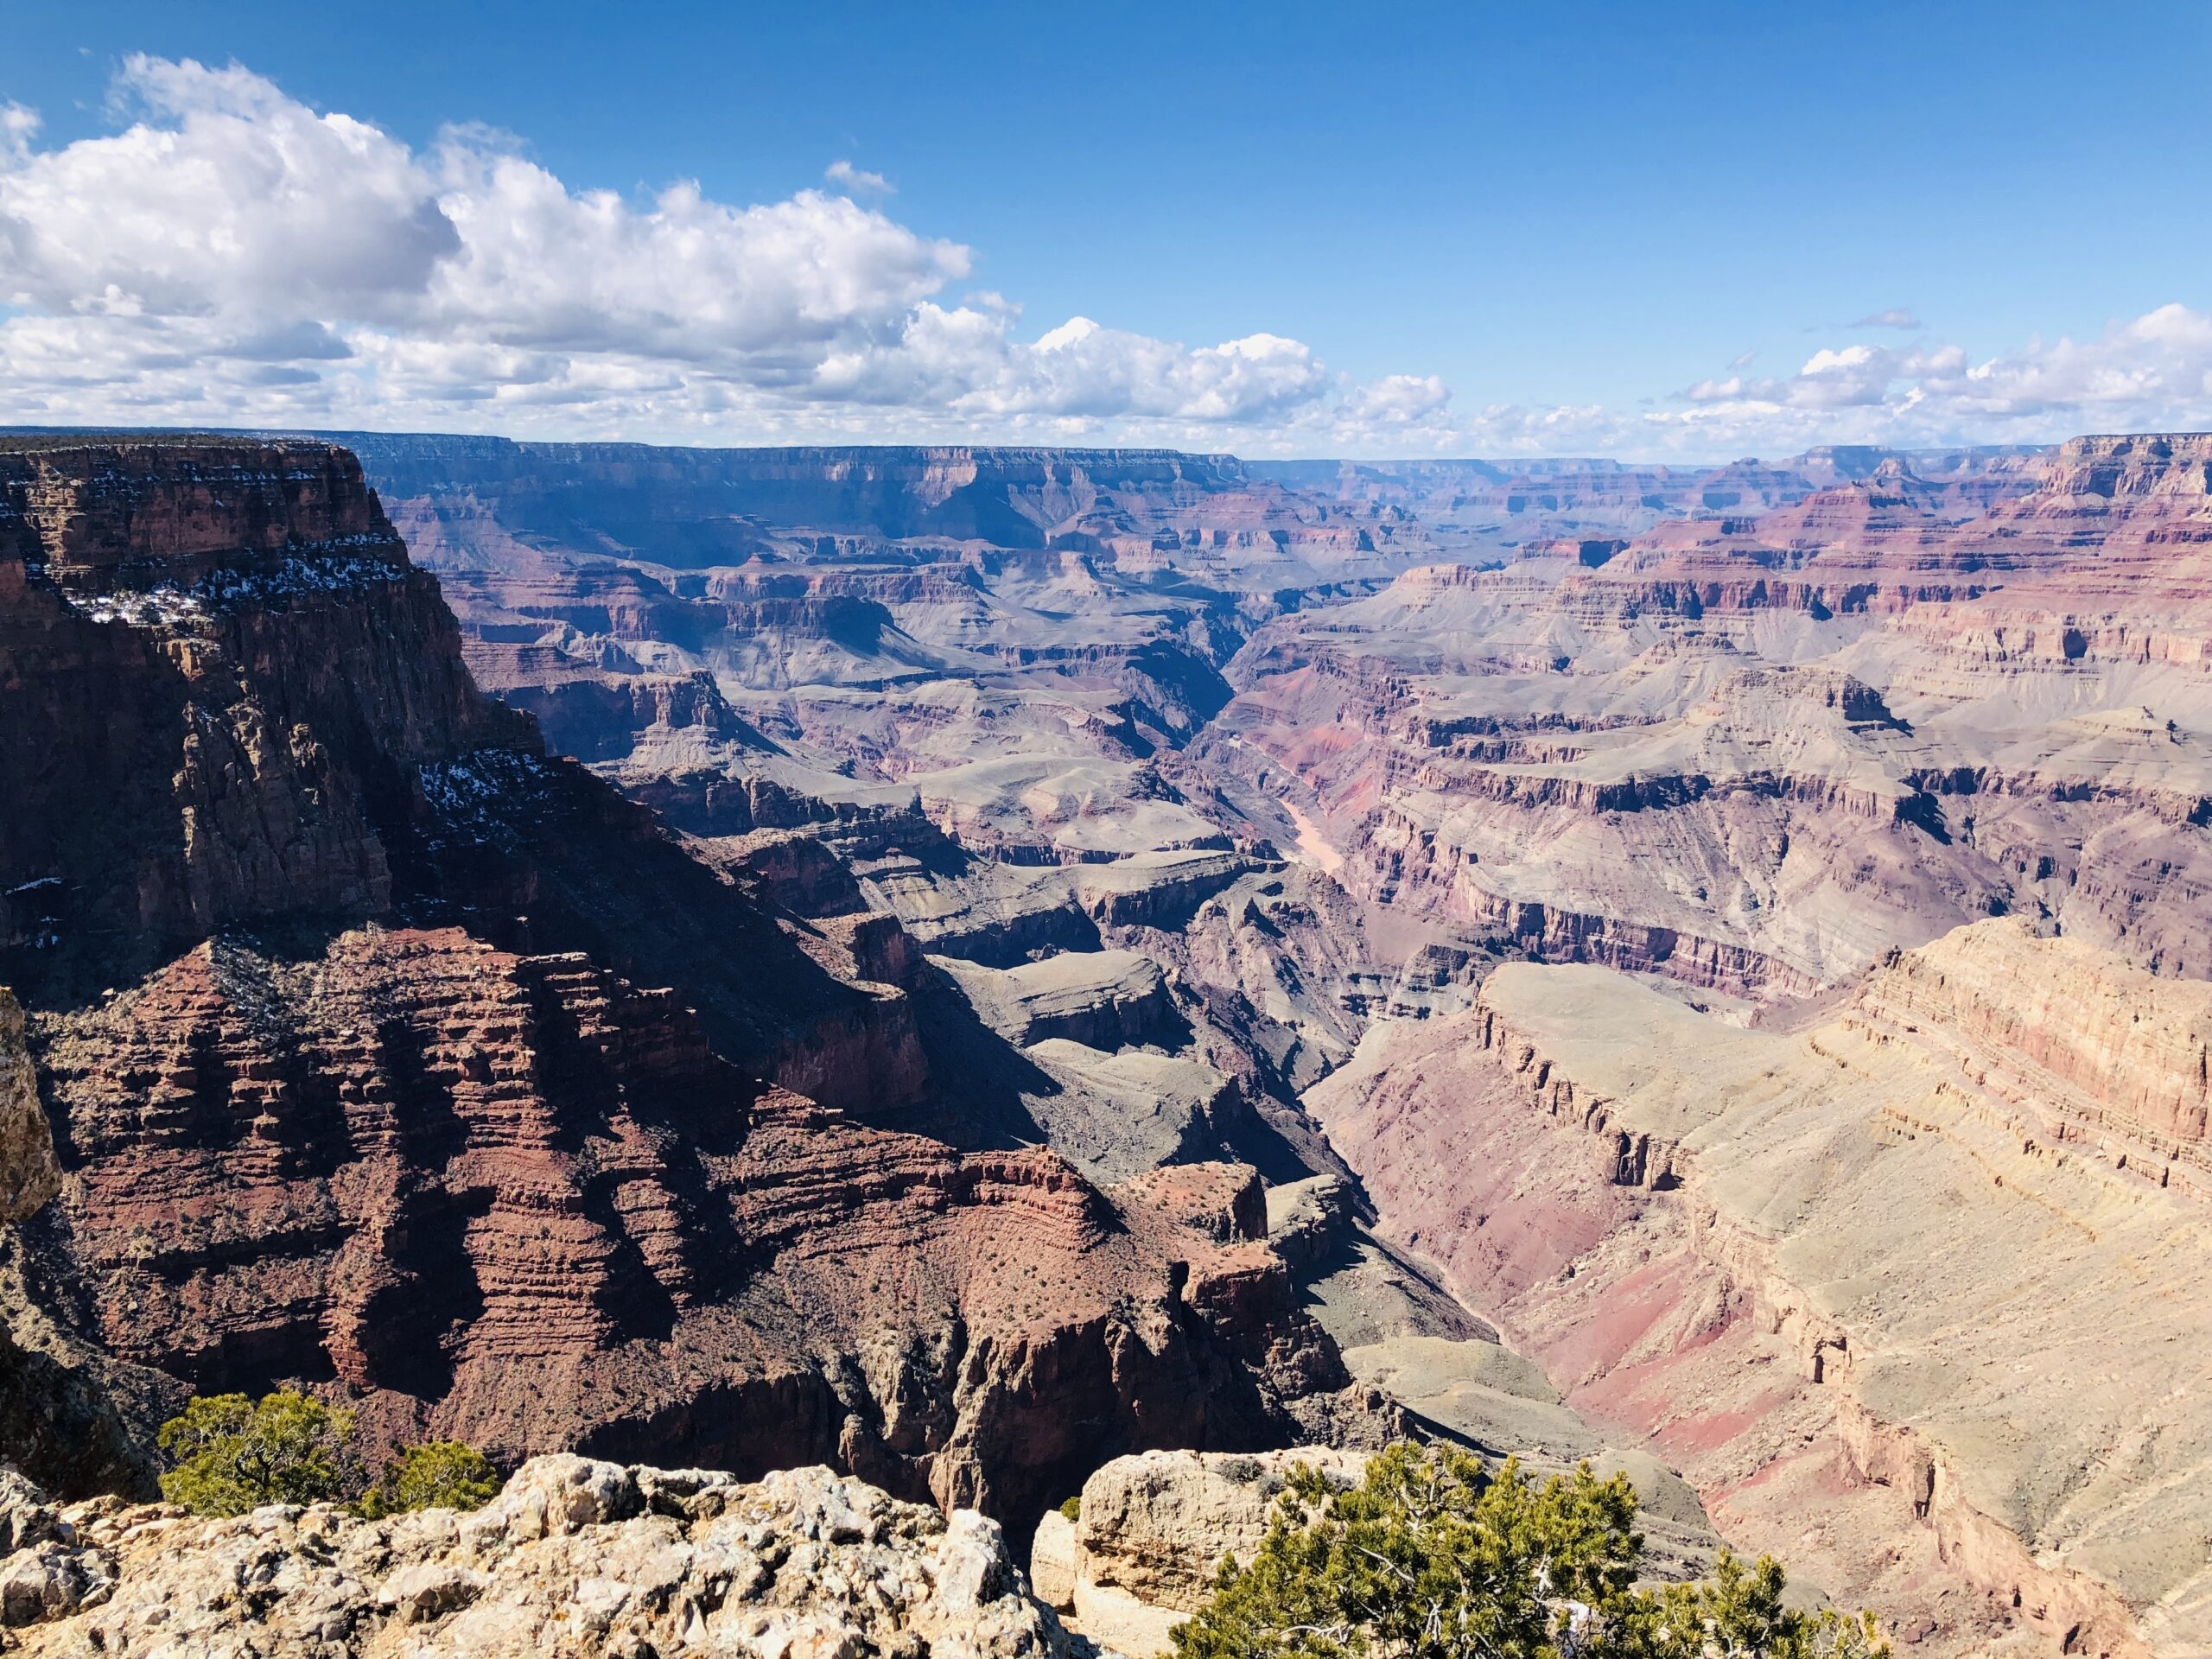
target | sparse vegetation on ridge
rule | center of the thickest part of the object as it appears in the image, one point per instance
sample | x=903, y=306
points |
x=437, y=1475
x=1432, y=1556
x=232, y=1454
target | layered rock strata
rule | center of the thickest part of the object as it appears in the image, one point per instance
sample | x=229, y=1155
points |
x=1901, y=1293
x=387, y=1056
x=1757, y=752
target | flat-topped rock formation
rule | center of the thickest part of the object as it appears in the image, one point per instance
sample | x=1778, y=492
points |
x=1480, y=510
x=660, y=499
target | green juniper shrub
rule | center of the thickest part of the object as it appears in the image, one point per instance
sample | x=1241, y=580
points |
x=1432, y=1556
x=230, y=1454
x=437, y=1475
x=1072, y=1507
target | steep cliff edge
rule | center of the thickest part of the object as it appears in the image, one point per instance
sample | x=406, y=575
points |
x=28, y=1174
x=1910, y=1295
x=68, y=1410
x=342, y=998
x=220, y=673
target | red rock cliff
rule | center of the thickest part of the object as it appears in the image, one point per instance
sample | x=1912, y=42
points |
x=337, y=990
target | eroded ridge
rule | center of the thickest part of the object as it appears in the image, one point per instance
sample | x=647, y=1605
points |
x=1933, y=1259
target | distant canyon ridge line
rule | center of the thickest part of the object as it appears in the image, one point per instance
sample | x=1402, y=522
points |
x=1159, y=950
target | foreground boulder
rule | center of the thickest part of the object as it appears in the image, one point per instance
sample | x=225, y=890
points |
x=575, y=1558
x=1141, y=1555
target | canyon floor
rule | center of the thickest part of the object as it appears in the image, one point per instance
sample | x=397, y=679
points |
x=960, y=965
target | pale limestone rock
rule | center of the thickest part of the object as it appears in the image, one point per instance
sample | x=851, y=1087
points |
x=48, y=1580
x=1157, y=1525
x=26, y=1518
x=428, y=1589
x=1152, y=1529
x=577, y=1559
x=1052, y=1561
x=1117, y=1620
x=562, y=1494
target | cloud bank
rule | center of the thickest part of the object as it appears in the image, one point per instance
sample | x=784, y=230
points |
x=230, y=256
x=233, y=257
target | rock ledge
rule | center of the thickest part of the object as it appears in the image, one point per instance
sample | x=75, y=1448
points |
x=575, y=1558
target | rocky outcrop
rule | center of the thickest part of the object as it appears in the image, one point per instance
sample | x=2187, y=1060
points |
x=1103, y=998
x=576, y=1558
x=217, y=672
x=1150, y=1533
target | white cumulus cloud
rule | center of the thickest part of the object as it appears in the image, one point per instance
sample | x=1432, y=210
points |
x=231, y=256
x=845, y=176
x=2151, y=372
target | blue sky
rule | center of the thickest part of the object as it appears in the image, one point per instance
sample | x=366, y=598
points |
x=1638, y=229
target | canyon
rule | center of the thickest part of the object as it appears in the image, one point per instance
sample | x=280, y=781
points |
x=351, y=1012
x=958, y=965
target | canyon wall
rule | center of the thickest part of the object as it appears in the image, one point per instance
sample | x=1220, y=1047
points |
x=1908, y=1293
x=1756, y=751
x=386, y=1055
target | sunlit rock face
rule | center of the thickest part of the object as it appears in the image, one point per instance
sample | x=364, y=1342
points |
x=1755, y=753
x=1902, y=1286
x=576, y=1557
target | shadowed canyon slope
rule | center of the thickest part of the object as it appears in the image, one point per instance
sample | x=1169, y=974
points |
x=961, y=963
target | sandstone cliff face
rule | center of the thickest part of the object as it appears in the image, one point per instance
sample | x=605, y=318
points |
x=216, y=671
x=2083, y=1034
x=423, y=1167
x=1901, y=1293
x=576, y=1558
